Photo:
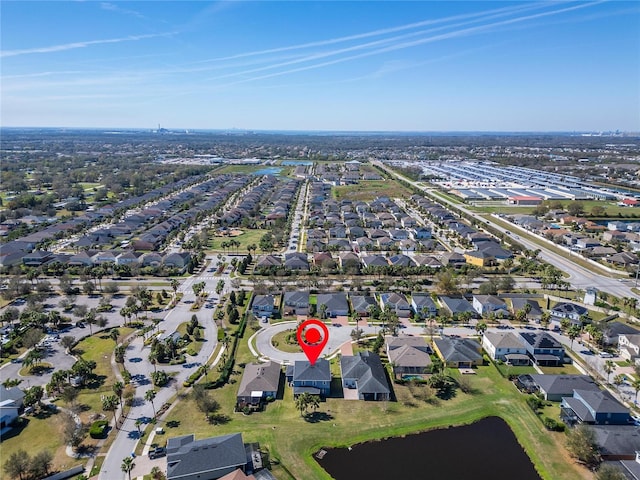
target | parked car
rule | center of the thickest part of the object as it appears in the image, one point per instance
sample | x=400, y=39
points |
x=606, y=355
x=157, y=452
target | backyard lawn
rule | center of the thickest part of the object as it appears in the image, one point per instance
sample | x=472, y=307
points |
x=292, y=440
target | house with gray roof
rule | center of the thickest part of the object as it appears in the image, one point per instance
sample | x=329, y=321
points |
x=458, y=352
x=457, y=305
x=259, y=382
x=613, y=330
x=362, y=304
x=593, y=407
x=397, y=302
x=535, y=312
x=488, y=304
x=365, y=373
x=209, y=458
x=505, y=346
x=296, y=303
x=543, y=348
x=620, y=442
x=568, y=310
x=263, y=305
x=408, y=355
x=555, y=387
x=11, y=401
x=314, y=379
x=335, y=304
x=423, y=305
x=296, y=261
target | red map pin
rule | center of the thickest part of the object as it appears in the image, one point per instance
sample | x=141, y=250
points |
x=312, y=336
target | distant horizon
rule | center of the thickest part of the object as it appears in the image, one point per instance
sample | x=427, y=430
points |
x=188, y=130
x=367, y=66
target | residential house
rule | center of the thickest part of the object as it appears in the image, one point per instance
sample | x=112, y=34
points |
x=479, y=258
x=543, y=348
x=104, y=257
x=555, y=387
x=263, y=305
x=458, y=352
x=423, y=305
x=365, y=373
x=127, y=258
x=569, y=310
x=629, y=346
x=151, y=259
x=324, y=260
x=613, y=330
x=401, y=261
x=375, y=261
x=427, y=261
x=593, y=407
x=408, y=355
x=620, y=445
x=622, y=259
x=178, y=260
x=494, y=250
x=453, y=258
x=36, y=258
x=420, y=232
x=80, y=259
x=259, y=382
x=505, y=346
x=335, y=304
x=314, y=379
x=487, y=304
x=11, y=401
x=268, y=261
x=457, y=305
x=206, y=459
x=362, y=304
x=535, y=312
x=296, y=303
x=349, y=261
x=397, y=303
x=296, y=261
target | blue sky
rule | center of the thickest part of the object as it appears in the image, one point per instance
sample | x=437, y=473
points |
x=298, y=65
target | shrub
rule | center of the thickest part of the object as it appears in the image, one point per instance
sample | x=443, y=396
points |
x=98, y=429
x=534, y=403
x=552, y=424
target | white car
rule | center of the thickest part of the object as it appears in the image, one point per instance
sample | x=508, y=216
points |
x=605, y=355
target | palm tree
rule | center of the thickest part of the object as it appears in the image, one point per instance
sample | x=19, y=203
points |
x=609, y=367
x=149, y=396
x=573, y=333
x=481, y=327
x=302, y=402
x=114, y=334
x=153, y=359
x=138, y=423
x=636, y=387
x=174, y=285
x=127, y=466
x=118, y=388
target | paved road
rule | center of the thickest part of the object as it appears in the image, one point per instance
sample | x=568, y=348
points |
x=137, y=363
x=579, y=277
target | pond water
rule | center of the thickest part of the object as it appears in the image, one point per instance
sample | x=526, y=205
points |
x=485, y=450
x=296, y=162
x=268, y=171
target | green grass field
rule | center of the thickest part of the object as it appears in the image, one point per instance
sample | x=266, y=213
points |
x=368, y=190
x=292, y=440
x=248, y=237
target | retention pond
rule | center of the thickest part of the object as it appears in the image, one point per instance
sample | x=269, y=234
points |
x=485, y=450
